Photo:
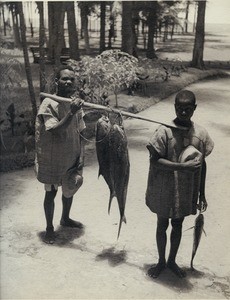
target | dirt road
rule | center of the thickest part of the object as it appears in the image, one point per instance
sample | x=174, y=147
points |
x=91, y=263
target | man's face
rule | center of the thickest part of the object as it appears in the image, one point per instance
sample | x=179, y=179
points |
x=184, y=110
x=66, y=83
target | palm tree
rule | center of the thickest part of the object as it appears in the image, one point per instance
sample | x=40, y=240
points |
x=198, y=50
x=102, y=27
x=14, y=13
x=72, y=29
x=127, y=30
x=186, y=16
x=3, y=17
x=56, y=12
x=26, y=59
x=41, y=45
x=151, y=21
x=85, y=10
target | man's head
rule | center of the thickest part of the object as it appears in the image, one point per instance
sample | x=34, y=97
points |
x=185, y=105
x=65, y=80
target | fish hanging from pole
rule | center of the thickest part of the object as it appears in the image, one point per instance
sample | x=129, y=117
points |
x=113, y=159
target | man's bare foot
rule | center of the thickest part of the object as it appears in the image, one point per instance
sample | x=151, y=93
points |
x=71, y=223
x=176, y=269
x=155, y=271
x=49, y=236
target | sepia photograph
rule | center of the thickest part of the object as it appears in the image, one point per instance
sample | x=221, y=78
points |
x=114, y=149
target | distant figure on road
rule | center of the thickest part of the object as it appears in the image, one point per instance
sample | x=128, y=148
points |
x=176, y=178
x=60, y=149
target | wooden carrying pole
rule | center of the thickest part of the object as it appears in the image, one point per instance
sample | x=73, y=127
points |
x=109, y=109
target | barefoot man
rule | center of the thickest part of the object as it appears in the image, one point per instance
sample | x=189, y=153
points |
x=60, y=149
x=175, y=183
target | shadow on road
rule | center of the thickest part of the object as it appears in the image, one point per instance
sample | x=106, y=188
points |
x=64, y=236
x=167, y=278
x=114, y=257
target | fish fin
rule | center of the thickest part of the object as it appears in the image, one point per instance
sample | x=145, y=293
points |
x=189, y=228
x=122, y=219
x=204, y=232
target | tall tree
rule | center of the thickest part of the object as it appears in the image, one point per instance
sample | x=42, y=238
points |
x=40, y=6
x=3, y=17
x=14, y=13
x=56, y=12
x=72, y=29
x=85, y=10
x=127, y=28
x=198, y=49
x=26, y=59
x=186, y=16
x=151, y=21
x=102, y=27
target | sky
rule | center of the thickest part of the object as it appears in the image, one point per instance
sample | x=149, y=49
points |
x=217, y=11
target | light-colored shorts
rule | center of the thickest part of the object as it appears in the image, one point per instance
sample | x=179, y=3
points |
x=70, y=183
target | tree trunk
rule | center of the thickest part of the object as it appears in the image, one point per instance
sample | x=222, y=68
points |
x=56, y=11
x=40, y=6
x=186, y=17
x=150, y=53
x=72, y=29
x=194, y=18
x=127, y=30
x=198, y=50
x=4, y=21
x=17, y=40
x=26, y=60
x=31, y=28
x=51, y=21
x=59, y=28
x=102, y=27
x=111, y=28
x=84, y=22
x=172, y=30
x=166, y=27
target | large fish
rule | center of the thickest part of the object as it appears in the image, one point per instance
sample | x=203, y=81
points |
x=198, y=229
x=113, y=159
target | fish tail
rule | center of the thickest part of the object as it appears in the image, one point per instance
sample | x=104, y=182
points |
x=191, y=264
x=122, y=219
x=112, y=194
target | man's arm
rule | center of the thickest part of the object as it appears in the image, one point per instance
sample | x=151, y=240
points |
x=202, y=205
x=64, y=123
x=82, y=152
x=167, y=165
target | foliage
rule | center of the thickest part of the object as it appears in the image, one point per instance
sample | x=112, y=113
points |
x=9, y=79
x=9, y=74
x=10, y=112
x=111, y=71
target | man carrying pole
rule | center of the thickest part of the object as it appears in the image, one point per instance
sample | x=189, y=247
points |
x=60, y=149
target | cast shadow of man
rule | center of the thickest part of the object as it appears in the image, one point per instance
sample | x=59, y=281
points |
x=170, y=280
x=64, y=236
x=114, y=257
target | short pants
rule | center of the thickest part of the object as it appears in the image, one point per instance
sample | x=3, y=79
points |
x=70, y=183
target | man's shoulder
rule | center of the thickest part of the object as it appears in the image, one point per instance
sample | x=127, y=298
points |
x=198, y=129
x=48, y=101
